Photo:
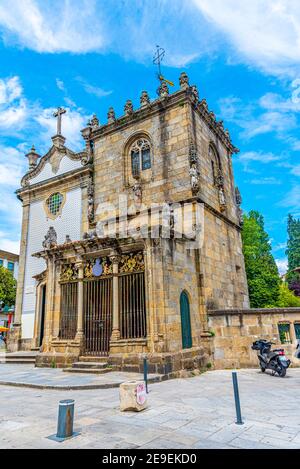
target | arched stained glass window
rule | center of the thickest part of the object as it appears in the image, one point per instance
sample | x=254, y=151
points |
x=140, y=156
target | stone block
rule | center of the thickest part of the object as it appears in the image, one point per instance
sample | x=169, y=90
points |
x=133, y=396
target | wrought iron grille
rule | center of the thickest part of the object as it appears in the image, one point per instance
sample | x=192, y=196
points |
x=68, y=308
x=98, y=315
x=132, y=306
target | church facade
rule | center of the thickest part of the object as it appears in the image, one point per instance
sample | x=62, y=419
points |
x=127, y=244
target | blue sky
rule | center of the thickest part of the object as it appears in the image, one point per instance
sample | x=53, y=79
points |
x=89, y=55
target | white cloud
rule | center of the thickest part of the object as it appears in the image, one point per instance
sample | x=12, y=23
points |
x=52, y=26
x=292, y=199
x=282, y=265
x=254, y=120
x=266, y=181
x=91, y=89
x=13, y=106
x=265, y=33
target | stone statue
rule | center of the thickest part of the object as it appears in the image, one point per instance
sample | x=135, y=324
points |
x=144, y=99
x=68, y=239
x=194, y=175
x=238, y=201
x=137, y=191
x=90, y=194
x=184, y=81
x=50, y=239
x=222, y=199
x=195, y=92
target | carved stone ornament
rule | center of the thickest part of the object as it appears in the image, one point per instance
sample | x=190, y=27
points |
x=90, y=194
x=133, y=262
x=238, y=201
x=50, y=240
x=128, y=108
x=163, y=90
x=184, y=81
x=144, y=99
x=68, y=239
x=111, y=116
x=68, y=273
x=194, y=175
x=193, y=154
x=219, y=179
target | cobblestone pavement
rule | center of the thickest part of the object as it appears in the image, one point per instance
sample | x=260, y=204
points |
x=184, y=413
x=28, y=375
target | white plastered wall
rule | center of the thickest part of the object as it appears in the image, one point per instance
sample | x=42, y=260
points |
x=69, y=222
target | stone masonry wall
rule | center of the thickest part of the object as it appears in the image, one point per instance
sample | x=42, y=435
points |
x=236, y=330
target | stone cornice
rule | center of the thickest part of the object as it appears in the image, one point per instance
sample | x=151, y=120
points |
x=155, y=107
x=37, y=170
x=79, y=173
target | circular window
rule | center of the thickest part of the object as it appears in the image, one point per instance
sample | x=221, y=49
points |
x=54, y=203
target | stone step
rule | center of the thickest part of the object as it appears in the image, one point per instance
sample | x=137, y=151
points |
x=97, y=371
x=91, y=358
x=95, y=365
x=19, y=360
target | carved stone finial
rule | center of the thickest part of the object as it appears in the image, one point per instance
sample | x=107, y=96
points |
x=163, y=90
x=238, y=197
x=195, y=92
x=212, y=115
x=50, y=239
x=94, y=122
x=220, y=124
x=227, y=134
x=111, y=116
x=184, y=81
x=204, y=104
x=32, y=158
x=144, y=99
x=128, y=108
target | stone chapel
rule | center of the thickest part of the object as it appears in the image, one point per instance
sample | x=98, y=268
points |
x=86, y=290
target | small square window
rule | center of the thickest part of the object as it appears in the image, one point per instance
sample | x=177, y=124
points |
x=10, y=266
x=297, y=331
x=284, y=333
x=1, y=262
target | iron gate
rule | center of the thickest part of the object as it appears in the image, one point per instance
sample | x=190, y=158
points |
x=132, y=306
x=68, y=316
x=97, y=300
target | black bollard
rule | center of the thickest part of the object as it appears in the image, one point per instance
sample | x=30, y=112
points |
x=65, y=419
x=146, y=373
x=239, y=420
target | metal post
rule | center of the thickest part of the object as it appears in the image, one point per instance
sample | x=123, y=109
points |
x=239, y=420
x=65, y=419
x=146, y=373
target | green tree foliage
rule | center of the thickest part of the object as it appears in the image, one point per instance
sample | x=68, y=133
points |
x=8, y=287
x=287, y=298
x=293, y=253
x=262, y=272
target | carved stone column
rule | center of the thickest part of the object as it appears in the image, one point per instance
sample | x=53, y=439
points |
x=115, y=320
x=80, y=318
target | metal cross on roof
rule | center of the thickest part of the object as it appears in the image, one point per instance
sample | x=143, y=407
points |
x=157, y=59
x=58, y=113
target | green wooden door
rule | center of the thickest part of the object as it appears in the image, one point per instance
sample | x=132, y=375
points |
x=297, y=331
x=185, y=321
